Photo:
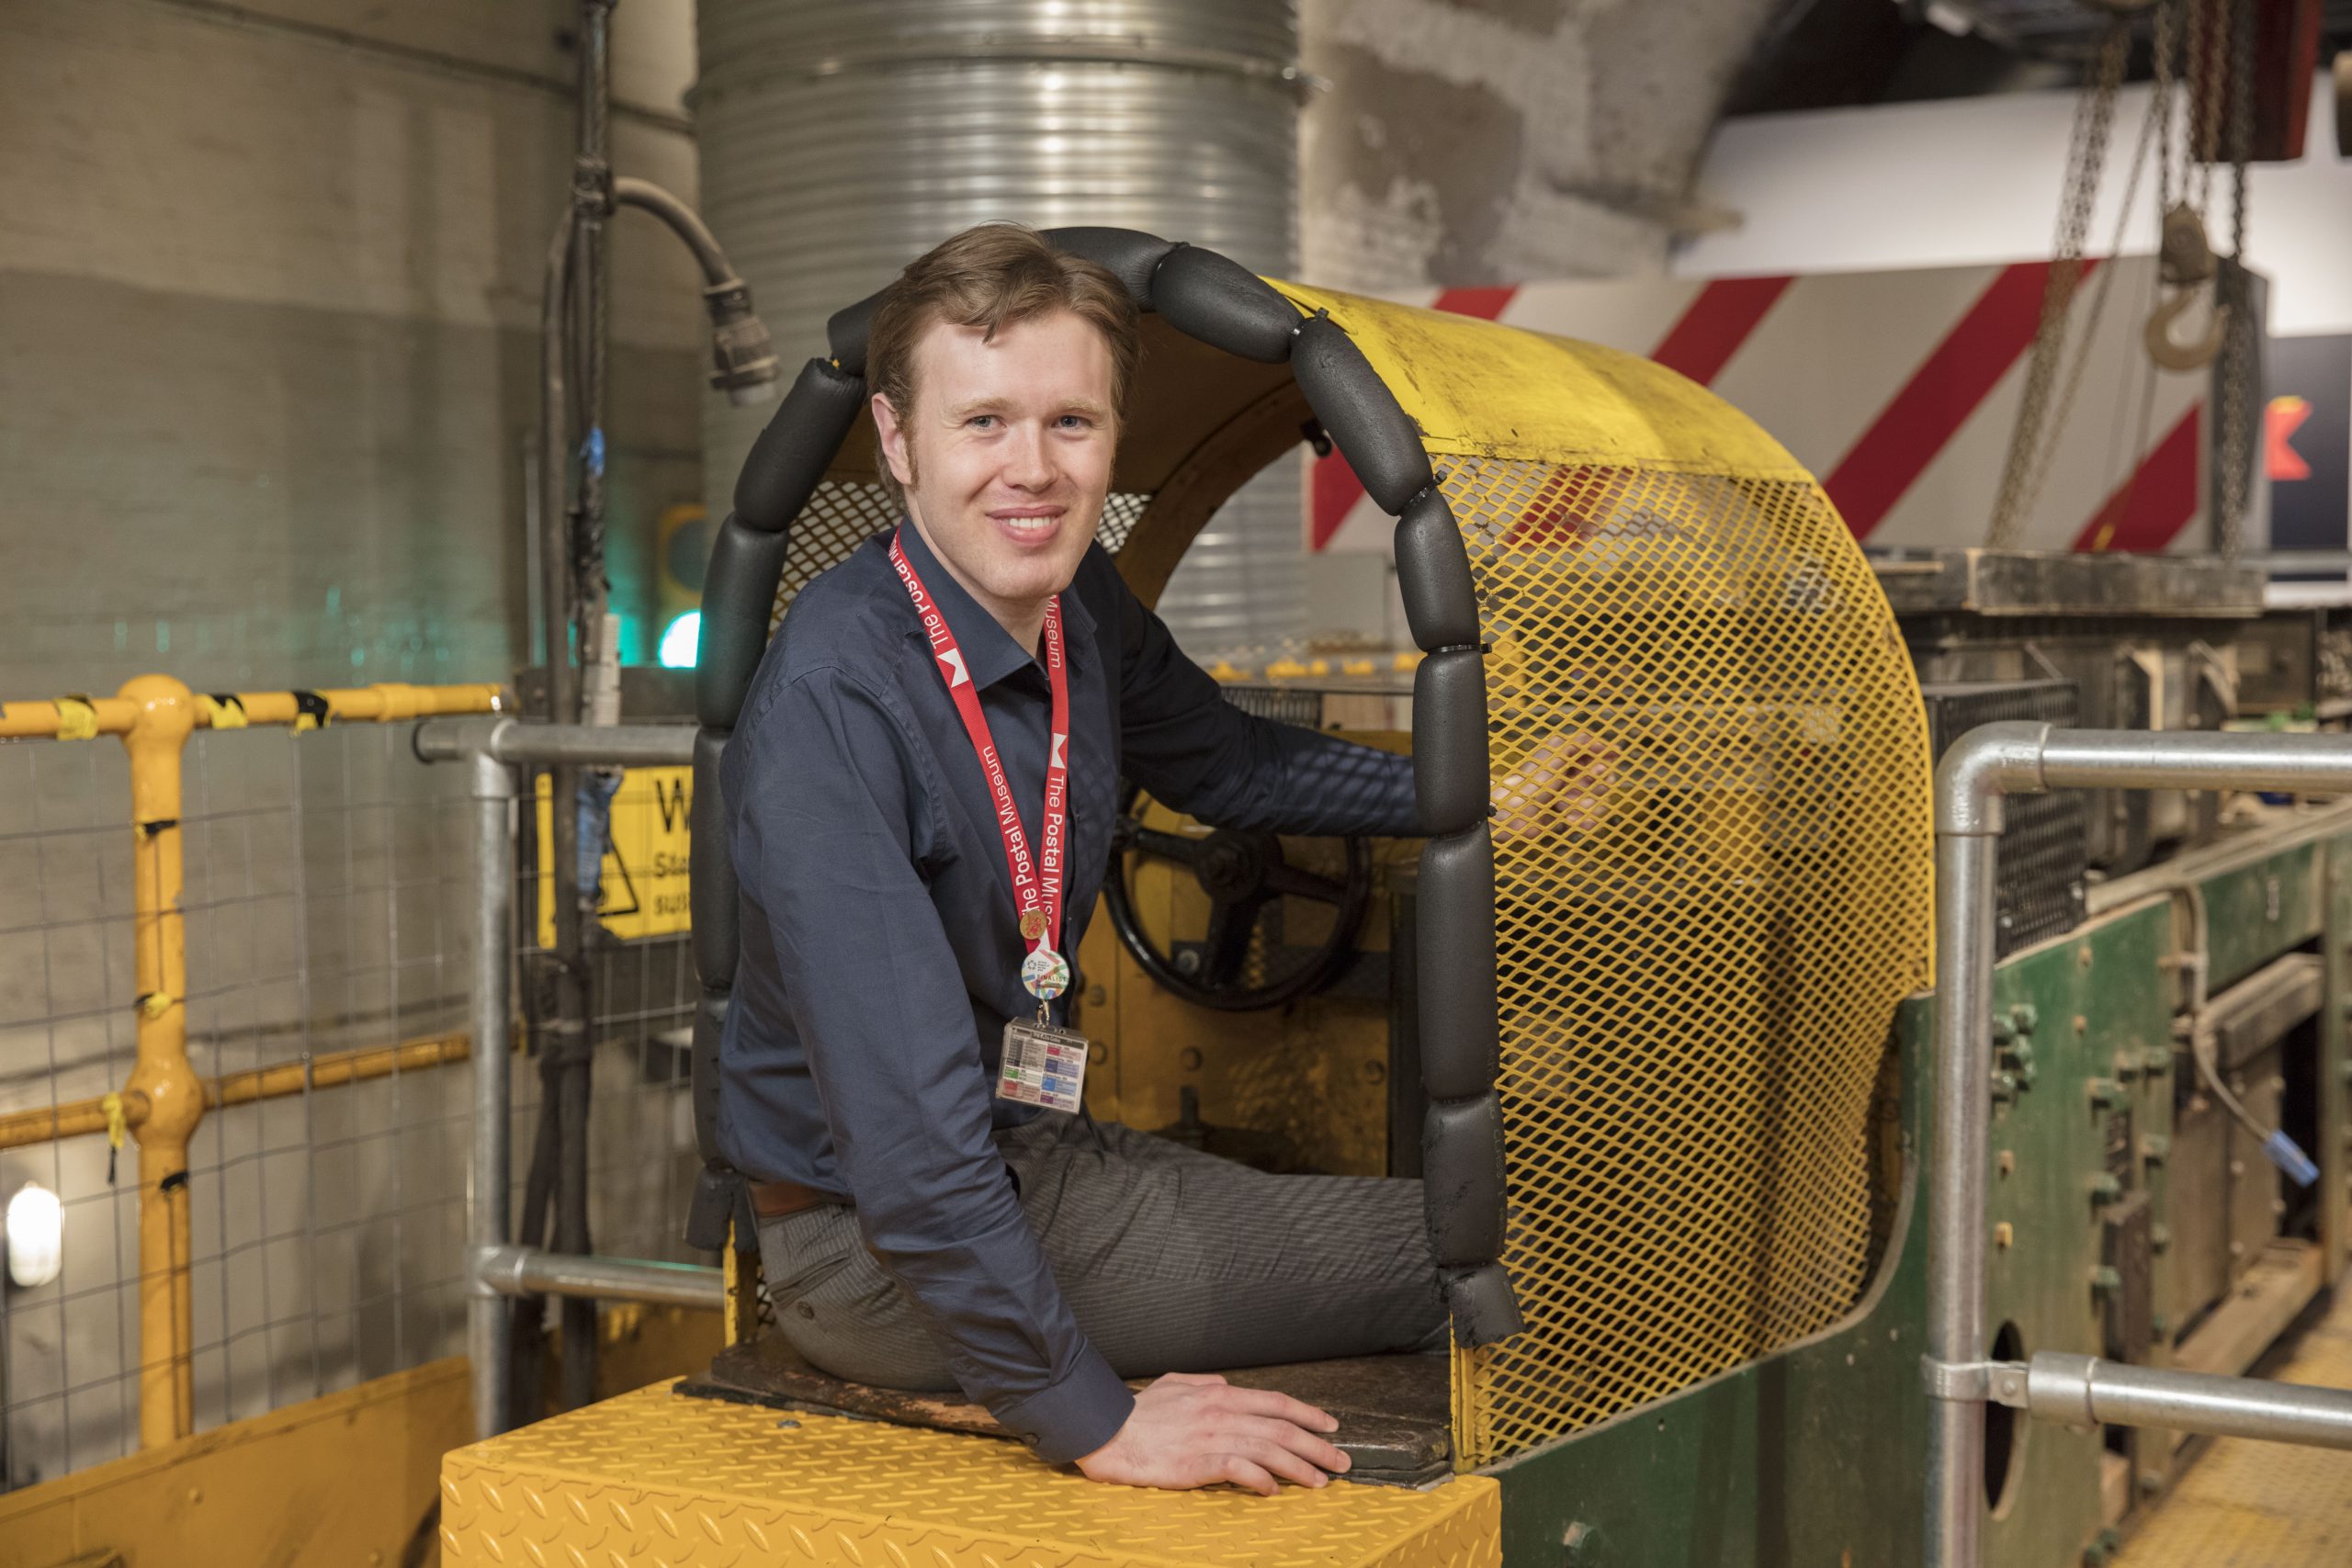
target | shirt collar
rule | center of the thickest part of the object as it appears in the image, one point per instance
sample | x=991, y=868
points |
x=990, y=652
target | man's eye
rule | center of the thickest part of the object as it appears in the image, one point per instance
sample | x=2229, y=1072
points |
x=1074, y=421
x=981, y=420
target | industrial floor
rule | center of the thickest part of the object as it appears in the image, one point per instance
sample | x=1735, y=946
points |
x=2249, y=1504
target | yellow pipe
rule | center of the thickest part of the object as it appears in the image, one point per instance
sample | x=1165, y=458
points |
x=74, y=1119
x=67, y=718
x=287, y=1078
x=386, y=702
x=167, y=715
x=81, y=1118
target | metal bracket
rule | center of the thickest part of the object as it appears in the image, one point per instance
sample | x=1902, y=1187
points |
x=1975, y=1382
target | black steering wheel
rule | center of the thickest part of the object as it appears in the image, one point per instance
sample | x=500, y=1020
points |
x=1242, y=963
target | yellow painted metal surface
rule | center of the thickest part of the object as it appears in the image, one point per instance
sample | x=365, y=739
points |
x=1695, y=991
x=338, y=1482
x=161, y=1074
x=78, y=1118
x=1479, y=389
x=651, y=1477
x=2248, y=1504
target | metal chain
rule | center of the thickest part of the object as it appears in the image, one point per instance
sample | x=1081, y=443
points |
x=2088, y=336
x=2199, y=131
x=2085, y=160
x=2169, y=14
x=2237, y=347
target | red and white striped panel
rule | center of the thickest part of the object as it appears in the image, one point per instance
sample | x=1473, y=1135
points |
x=1899, y=388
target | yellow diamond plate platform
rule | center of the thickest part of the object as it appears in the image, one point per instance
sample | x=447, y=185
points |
x=653, y=1479
x=2248, y=1504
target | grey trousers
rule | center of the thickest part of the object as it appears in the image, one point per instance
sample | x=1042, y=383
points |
x=1172, y=1261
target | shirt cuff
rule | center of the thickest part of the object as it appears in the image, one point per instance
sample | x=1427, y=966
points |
x=1073, y=1417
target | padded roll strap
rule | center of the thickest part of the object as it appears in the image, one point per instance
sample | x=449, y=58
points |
x=1454, y=960
x=721, y=1194
x=1482, y=1304
x=1222, y=303
x=702, y=1066
x=793, y=452
x=1450, y=772
x=1433, y=573
x=711, y=871
x=847, y=331
x=1359, y=414
x=1130, y=254
x=1462, y=1180
x=737, y=598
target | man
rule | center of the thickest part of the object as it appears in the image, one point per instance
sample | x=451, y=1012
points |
x=920, y=796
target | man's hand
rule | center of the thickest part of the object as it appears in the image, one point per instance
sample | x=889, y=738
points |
x=1195, y=1429
x=1563, y=782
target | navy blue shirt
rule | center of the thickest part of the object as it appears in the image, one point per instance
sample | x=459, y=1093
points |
x=881, y=955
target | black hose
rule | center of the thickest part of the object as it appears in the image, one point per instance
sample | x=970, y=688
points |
x=683, y=222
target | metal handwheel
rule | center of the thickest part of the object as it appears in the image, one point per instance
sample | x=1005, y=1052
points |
x=1242, y=961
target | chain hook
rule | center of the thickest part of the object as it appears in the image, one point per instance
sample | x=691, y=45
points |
x=2185, y=259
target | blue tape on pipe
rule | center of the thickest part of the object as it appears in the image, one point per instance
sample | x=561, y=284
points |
x=2288, y=1157
x=591, y=451
x=596, y=790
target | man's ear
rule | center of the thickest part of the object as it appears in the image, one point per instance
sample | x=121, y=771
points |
x=892, y=438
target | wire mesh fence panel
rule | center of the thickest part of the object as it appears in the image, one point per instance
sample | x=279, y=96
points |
x=68, y=1348
x=325, y=914
x=328, y=926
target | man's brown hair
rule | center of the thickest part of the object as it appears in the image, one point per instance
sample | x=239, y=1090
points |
x=989, y=276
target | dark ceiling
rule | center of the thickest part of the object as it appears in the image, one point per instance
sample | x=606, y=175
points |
x=1832, y=54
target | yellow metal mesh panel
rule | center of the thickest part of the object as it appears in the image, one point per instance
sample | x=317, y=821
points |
x=1694, y=993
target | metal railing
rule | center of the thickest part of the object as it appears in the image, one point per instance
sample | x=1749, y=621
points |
x=154, y=716
x=326, y=920
x=1976, y=774
x=495, y=1267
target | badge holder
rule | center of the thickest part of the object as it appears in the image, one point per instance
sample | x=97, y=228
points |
x=1043, y=1062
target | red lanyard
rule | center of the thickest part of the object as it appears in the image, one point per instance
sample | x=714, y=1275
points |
x=1037, y=884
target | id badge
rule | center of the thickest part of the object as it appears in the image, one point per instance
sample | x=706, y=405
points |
x=1042, y=1065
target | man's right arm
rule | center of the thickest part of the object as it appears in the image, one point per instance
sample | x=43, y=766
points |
x=826, y=838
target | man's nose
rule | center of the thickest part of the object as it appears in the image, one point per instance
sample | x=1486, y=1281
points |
x=1029, y=465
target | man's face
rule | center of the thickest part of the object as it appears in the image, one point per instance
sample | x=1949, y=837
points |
x=1006, y=455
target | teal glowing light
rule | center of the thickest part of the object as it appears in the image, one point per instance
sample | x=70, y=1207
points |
x=680, y=640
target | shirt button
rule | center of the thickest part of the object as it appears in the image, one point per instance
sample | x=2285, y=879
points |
x=1030, y=1438
x=804, y=1309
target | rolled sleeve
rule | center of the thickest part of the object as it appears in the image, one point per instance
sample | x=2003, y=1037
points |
x=829, y=835
x=1196, y=751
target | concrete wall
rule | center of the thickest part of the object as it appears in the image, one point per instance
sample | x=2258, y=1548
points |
x=269, y=282
x=1460, y=142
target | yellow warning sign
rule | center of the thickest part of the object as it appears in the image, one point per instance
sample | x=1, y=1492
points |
x=644, y=890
